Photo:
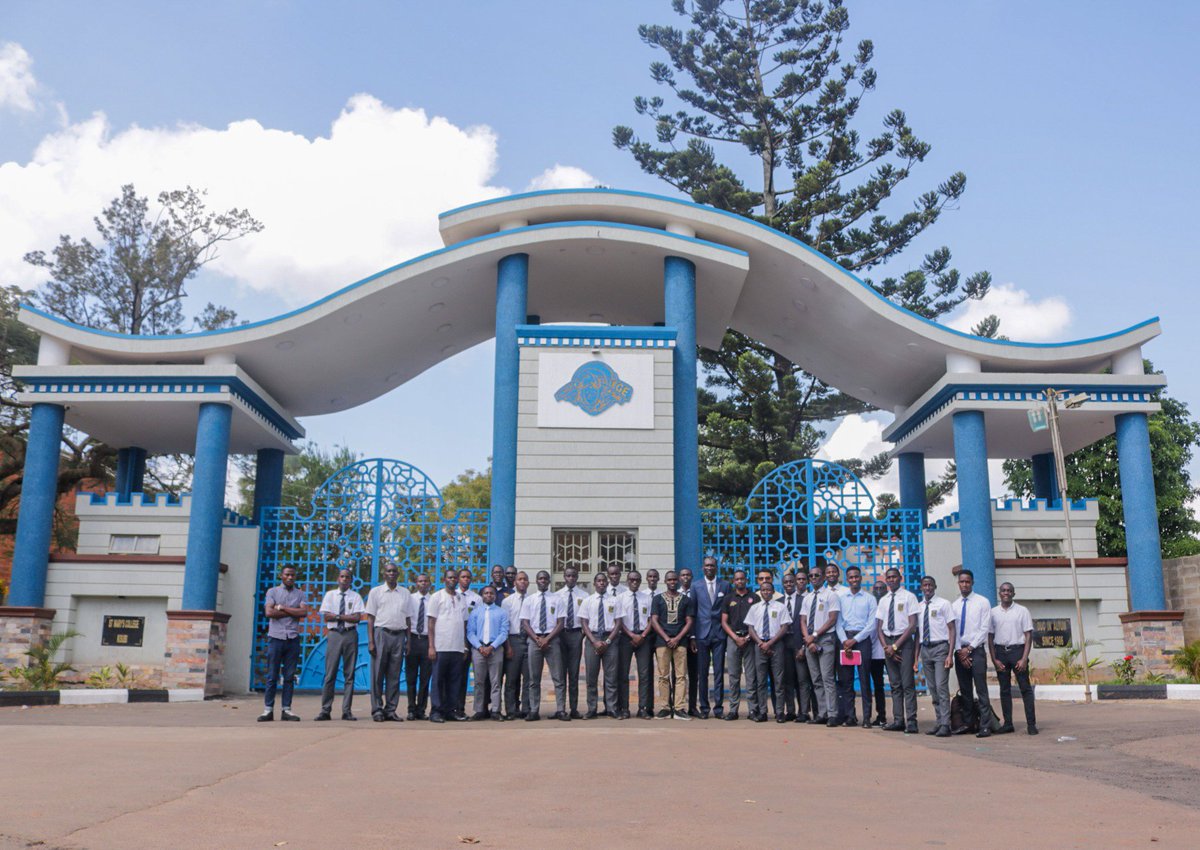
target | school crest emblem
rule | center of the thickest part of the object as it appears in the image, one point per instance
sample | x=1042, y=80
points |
x=594, y=388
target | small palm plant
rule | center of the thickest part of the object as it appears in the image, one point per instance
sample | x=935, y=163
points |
x=100, y=678
x=1067, y=666
x=1187, y=660
x=43, y=672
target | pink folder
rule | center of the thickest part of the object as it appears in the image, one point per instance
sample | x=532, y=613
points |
x=853, y=658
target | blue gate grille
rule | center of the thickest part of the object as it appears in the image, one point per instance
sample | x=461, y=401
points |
x=370, y=513
x=811, y=508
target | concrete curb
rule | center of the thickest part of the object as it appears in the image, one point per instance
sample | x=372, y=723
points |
x=1075, y=693
x=99, y=696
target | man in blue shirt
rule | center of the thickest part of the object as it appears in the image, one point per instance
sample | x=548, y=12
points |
x=487, y=630
x=854, y=629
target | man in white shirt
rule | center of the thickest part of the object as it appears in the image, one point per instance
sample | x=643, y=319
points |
x=447, y=649
x=601, y=623
x=387, y=611
x=472, y=600
x=768, y=623
x=639, y=640
x=516, y=670
x=572, y=596
x=896, y=625
x=341, y=609
x=1009, y=642
x=973, y=613
x=542, y=622
x=652, y=583
x=417, y=666
x=818, y=624
x=935, y=636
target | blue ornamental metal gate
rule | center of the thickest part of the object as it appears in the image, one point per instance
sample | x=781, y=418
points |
x=370, y=513
x=811, y=508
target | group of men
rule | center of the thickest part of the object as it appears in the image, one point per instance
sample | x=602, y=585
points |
x=796, y=655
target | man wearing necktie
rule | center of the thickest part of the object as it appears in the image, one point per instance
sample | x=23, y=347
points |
x=341, y=609
x=600, y=623
x=487, y=632
x=571, y=597
x=542, y=622
x=768, y=622
x=936, y=634
x=791, y=601
x=709, y=595
x=974, y=613
x=818, y=622
x=639, y=638
x=417, y=666
x=895, y=625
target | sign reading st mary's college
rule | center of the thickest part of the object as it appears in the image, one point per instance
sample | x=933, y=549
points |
x=605, y=390
x=122, y=631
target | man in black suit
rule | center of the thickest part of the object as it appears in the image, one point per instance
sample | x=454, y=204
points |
x=708, y=594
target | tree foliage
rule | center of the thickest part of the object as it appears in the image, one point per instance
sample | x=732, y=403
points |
x=774, y=80
x=1093, y=472
x=303, y=473
x=471, y=489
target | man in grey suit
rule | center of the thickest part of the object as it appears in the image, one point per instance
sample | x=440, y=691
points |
x=709, y=595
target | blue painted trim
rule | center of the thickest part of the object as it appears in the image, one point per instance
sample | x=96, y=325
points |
x=1143, y=546
x=951, y=522
x=533, y=228
x=512, y=291
x=35, y=516
x=137, y=499
x=203, y=563
x=268, y=481
x=912, y=483
x=593, y=332
x=1045, y=477
x=1017, y=394
x=975, y=501
x=159, y=385
x=131, y=471
x=806, y=247
x=679, y=301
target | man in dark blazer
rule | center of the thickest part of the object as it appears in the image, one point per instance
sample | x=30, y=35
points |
x=709, y=594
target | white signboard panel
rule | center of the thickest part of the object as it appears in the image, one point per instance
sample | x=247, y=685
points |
x=581, y=389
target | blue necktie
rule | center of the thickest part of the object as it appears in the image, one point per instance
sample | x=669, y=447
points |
x=542, y=619
x=962, y=620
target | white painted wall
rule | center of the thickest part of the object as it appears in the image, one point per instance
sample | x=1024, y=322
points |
x=239, y=550
x=594, y=477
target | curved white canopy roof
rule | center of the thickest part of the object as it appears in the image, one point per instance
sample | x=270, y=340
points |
x=595, y=255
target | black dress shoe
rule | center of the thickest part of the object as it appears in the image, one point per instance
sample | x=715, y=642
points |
x=821, y=719
x=894, y=727
x=624, y=714
x=393, y=717
x=324, y=715
x=934, y=731
x=458, y=716
x=287, y=715
x=378, y=718
x=348, y=716
x=591, y=715
x=762, y=718
x=802, y=719
x=1006, y=729
x=718, y=712
x=663, y=712
x=832, y=723
x=961, y=730
x=866, y=724
x=561, y=715
x=790, y=716
x=880, y=721
x=412, y=715
x=733, y=715
x=911, y=729
x=779, y=718
x=1031, y=730
x=984, y=733
x=695, y=715
x=479, y=715
x=942, y=732
x=433, y=718
x=529, y=718
x=704, y=715
x=266, y=717
x=575, y=715
x=852, y=720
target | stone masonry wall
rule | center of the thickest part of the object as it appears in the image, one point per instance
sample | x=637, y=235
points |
x=18, y=634
x=1154, y=643
x=195, y=656
x=1181, y=577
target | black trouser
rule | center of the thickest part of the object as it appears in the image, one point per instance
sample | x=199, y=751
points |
x=645, y=671
x=845, y=683
x=1009, y=656
x=460, y=696
x=572, y=654
x=877, y=665
x=516, y=677
x=417, y=668
x=972, y=684
x=710, y=658
x=448, y=674
x=624, y=649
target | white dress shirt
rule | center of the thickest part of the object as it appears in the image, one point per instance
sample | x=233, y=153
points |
x=820, y=605
x=904, y=603
x=777, y=617
x=1009, y=626
x=975, y=623
x=641, y=601
x=941, y=615
x=389, y=606
x=591, y=613
x=450, y=631
x=578, y=595
x=532, y=610
x=472, y=599
x=512, y=604
x=414, y=612
x=332, y=604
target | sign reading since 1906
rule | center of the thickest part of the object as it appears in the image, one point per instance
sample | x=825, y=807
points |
x=1051, y=633
x=122, y=631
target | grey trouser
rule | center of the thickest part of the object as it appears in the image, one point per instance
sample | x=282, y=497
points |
x=385, y=671
x=739, y=662
x=537, y=659
x=937, y=677
x=593, y=662
x=487, y=679
x=821, y=671
x=765, y=665
x=516, y=677
x=903, y=680
x=572, y=654
x=341, y=650
x=644, y=653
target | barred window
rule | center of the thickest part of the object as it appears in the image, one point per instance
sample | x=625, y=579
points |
x=1039, y=548
x=586, y=548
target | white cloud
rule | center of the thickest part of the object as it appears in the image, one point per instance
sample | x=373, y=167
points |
x=562, y=177
x=336, y=207
x=1022, y=318
x=17, y=83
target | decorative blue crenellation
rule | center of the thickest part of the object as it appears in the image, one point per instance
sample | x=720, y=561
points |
x=113, y=499
x=952, y=521
x=590, y=336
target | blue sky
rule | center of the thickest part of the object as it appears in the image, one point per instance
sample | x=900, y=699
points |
x=1072, y=120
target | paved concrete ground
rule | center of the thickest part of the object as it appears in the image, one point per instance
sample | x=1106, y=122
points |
x=206, y=775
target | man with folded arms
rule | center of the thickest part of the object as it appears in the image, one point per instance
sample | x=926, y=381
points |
x=601, y=624
x=387, y=610
x=341, y=609
x=935, y=634
x=487, y=632
x=639, y=638
x=285, y=606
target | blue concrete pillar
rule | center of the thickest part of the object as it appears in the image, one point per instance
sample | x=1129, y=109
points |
x=35, y=517
x=912, y=483
x=203, y=562
x=1142, y=544
x=1045, y=477
x=975, y=500
x=512, y=291
x=131, y=472
x=268, y=481
x=679, y=300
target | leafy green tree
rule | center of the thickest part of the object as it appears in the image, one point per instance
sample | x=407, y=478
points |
x=771, y=81
x=471, y=489
x=1092, y=472
x=303, y=473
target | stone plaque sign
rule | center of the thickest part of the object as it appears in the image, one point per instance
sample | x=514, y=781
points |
x=122, y=631
x=1051, y=632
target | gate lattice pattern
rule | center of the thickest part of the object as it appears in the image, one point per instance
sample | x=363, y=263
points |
x=811, y=508
x=365, y=515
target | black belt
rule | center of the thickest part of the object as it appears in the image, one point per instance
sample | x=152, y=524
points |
x=1010, y=645
x=742, y=632
x=392, y=631
x=935, y=642
x=576, y=629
